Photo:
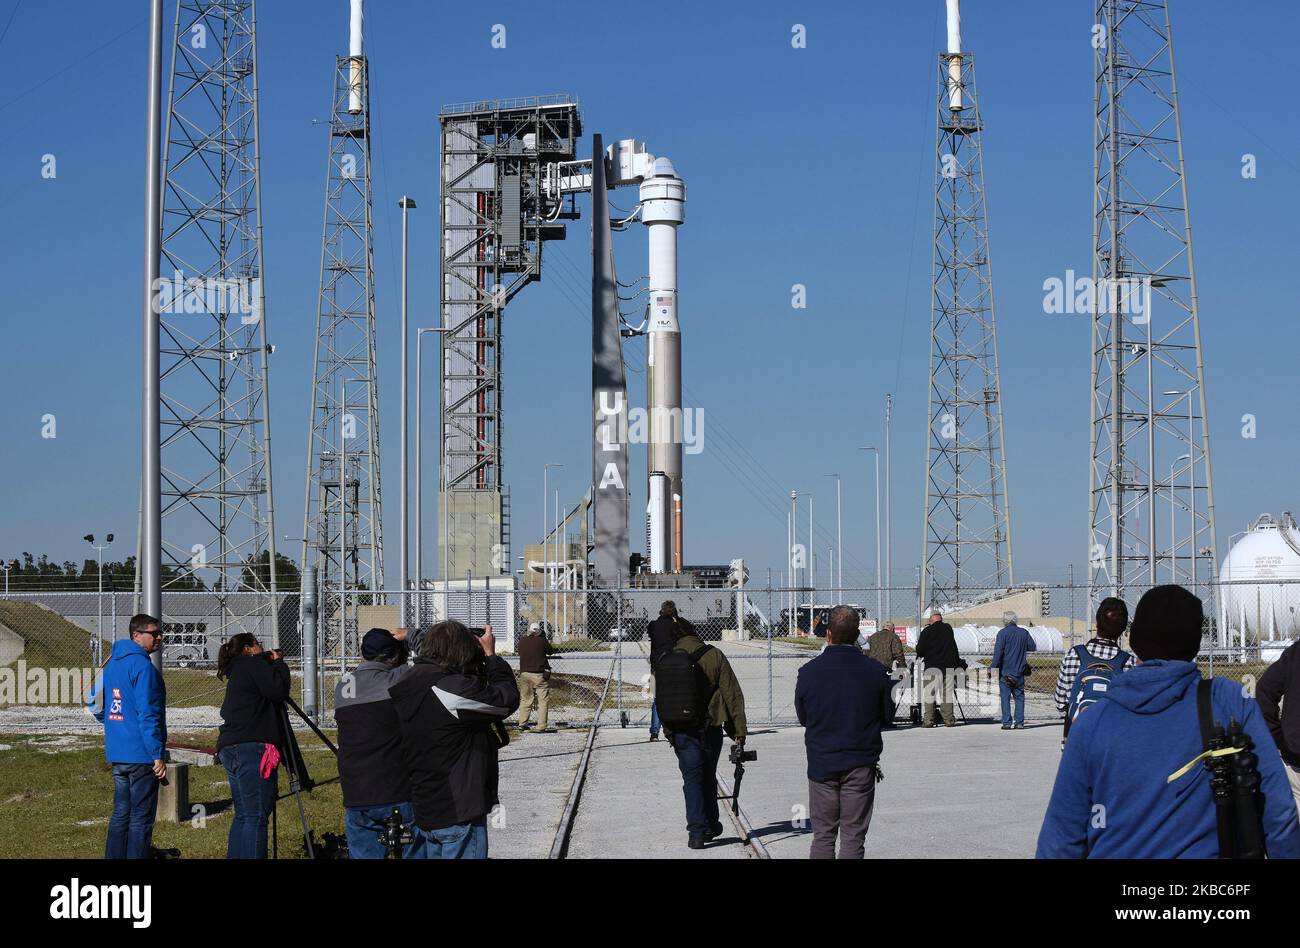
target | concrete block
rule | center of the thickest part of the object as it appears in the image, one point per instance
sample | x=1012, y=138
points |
x=174, y=794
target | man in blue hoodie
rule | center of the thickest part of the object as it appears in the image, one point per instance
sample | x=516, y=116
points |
x=1011, y=651
x=1123, y=789
x=131, y=704
x=842, y=699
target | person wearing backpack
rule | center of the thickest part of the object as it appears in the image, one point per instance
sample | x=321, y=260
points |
x=1011, y=651
x=843, y=698
x=1132, y=782
x=699, y=698
x=1100, y=658
x=663, y=633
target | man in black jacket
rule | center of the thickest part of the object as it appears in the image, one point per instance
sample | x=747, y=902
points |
x=842, y=699
x=1281, y=679
x=937, y=649
x=372, y=768
x=450, y=706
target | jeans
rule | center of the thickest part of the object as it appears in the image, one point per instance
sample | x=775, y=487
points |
x=697, y=758
x=654, y=719
x=1015, y=689
x=135, y=803
x=253, y=799
x=365, y=825
x=841, y=806
x=460, y=841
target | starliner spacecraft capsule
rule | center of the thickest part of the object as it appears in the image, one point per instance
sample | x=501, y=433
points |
x=663, y=205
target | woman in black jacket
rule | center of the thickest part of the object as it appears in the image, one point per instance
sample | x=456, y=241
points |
x=257, y=684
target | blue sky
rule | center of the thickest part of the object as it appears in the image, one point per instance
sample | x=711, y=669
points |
x=807, y=166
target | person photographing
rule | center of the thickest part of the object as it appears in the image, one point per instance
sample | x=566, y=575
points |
x=248, y=742
x=450, y=706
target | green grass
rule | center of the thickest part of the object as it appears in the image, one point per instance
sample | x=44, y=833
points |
x=50, y=639
x=58, y=804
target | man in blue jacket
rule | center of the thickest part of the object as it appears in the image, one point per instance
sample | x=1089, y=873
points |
x=1011, y=651
x=842, y=698
x=131, y=704
x=1123, y=789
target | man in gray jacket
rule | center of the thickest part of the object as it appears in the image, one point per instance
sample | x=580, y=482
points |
x=372, y=768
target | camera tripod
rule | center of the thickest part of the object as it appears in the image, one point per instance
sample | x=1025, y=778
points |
x=295, y=767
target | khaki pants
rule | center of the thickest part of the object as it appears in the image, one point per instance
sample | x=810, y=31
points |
x=530, y=682
x=933, y=680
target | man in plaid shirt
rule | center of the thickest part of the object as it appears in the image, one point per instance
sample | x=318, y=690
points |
x=1112, y=620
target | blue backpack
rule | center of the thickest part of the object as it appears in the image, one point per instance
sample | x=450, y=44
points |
x=1093, y=679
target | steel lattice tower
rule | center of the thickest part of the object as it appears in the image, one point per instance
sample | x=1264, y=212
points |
x=214, y=398
x=967, y=530
x=495, y=217
x=1150, y=438
x=345, y=400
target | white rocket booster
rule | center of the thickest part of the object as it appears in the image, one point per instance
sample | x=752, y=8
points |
x=663, y=201
x=954, y=56
x=355, y=54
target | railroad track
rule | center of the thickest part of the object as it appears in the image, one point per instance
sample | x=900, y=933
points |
x=560, y=845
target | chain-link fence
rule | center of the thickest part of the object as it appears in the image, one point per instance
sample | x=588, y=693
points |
x=52, y=643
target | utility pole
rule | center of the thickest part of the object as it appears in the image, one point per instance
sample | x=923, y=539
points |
x=405, y=204
x=880, y=599
x=149, y=565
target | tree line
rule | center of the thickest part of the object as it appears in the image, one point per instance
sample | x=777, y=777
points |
x=29, y=573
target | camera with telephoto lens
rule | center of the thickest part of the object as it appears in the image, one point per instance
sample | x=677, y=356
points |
x=741, y=756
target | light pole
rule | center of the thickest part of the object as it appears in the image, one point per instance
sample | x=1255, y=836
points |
x=839, y=543
x=99, y=557
x=405, y=204
x=419, y=469
x=811, y=577
x=1191, y=484
x=889, y=501
x=1173, y=530
x=6, y=566
x=880, y=594
x=149, y=565
x=792, y=562
x=546, y=547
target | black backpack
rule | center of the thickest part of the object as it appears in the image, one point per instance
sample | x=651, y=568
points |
x=682, y=690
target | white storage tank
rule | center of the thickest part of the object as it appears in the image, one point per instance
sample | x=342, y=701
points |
x=1260, y=579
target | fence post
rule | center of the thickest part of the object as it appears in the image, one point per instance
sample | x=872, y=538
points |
x=622, y=633
x=310, y=667
x=771, y=711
